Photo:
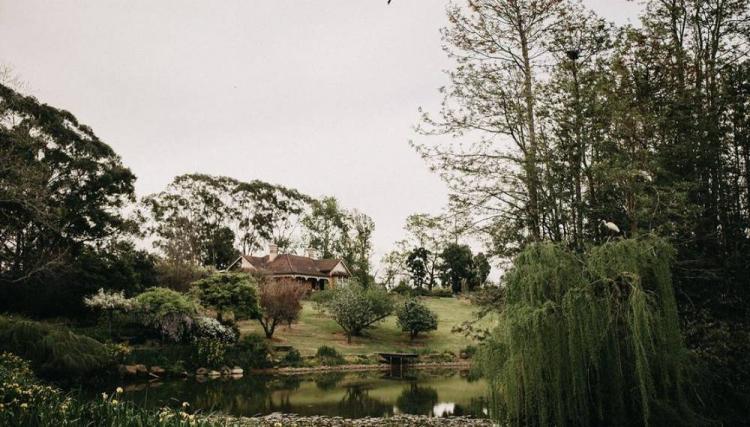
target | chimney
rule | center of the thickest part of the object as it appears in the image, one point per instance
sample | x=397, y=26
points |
x=310, y=253
x=273, y=252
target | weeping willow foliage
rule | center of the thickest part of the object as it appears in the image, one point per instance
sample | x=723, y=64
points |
x=588, y=339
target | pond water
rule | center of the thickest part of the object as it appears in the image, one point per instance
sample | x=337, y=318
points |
x=345, y=394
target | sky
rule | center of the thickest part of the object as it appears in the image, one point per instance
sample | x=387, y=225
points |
x=321, y=96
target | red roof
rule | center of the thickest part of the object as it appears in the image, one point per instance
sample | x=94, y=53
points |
x=286, y=264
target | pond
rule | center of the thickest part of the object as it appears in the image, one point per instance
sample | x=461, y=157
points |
x=345, y=394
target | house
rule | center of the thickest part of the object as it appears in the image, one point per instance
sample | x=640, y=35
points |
x=318, y=273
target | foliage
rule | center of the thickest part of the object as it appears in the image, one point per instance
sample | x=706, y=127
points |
x=586, y=339
x=61, y=188
x=336, y=233
x=200, y=218
x=169, y=313
x=209, y=352
x=116, y=266
x=292, y=358
x=53, y=350
x=441, y=293
x=414, y=317
x=252, y=351
x=280, y=302
x=207, y=328
x=355, y=308
x=416, y=265
x=24, y=401
x=457, y=267
x=180, y=275
x=328, y=356
x=482, y=269
x=109, y=303
x=568, y=120
x=229, y=292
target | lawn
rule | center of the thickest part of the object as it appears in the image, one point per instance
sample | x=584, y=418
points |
x=315, y=329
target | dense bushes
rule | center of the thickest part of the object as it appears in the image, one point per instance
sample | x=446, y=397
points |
x=169, y=312
x=280, y=303
x=24, y=401
x=232, y=295
x=252, y=351
x=328, y=356
x=53, y=350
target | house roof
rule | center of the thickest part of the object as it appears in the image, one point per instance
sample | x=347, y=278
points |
x=287, y=264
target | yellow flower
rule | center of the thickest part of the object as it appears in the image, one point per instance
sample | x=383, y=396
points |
x=185, y=404
x=24, y=405
x=119, y=390
x=104, y=396
x=115, y=402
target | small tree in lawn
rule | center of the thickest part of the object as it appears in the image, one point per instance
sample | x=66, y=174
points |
x=228, y=292
x=109, y=303
x=356, y=308
x=280, y=302
x=414, y=317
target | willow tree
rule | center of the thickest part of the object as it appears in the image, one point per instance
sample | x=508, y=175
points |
x=588, y=339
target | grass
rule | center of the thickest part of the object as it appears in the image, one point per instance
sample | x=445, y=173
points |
x=315, y=329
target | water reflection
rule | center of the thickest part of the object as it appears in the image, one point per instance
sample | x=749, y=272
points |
x=349, y=395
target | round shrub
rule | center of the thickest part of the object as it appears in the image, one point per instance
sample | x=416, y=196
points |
x=211, y=329
x=328, y=356
x=414, y=317
x=168, y=312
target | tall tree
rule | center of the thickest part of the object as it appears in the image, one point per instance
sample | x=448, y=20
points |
x=61, y=188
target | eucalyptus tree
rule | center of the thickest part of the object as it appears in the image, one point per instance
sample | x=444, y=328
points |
x=61, y=188
x=498, y=47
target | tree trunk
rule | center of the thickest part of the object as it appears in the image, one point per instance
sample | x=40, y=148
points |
x=530, y=162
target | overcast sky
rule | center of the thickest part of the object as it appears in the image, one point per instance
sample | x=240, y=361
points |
x=316, y=95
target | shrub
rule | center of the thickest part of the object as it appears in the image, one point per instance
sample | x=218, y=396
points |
x=252, y=351
x=442, y=293
x=209, y=352
x=280, y=302
x=109, y=303
x=408, y=291
x=24, y=401
x=212, y=329
x=414, y=317
x=227, y=293
x=53, y=350
x=328, y=356
x=356, y=308
x=168, y=312
x=292, y=358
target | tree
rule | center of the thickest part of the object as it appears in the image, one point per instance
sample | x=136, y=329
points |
x=109, y=303
x=232, y=295
x=556, y=301
x=326, y=228
x=414, y=317
x=201, y=219
x=335, y=233
x=498, y=47
x=457, y=269
x=416, y=265
x=280, y=302
x=61, y=189
x=355, y=308
x=482, y=270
